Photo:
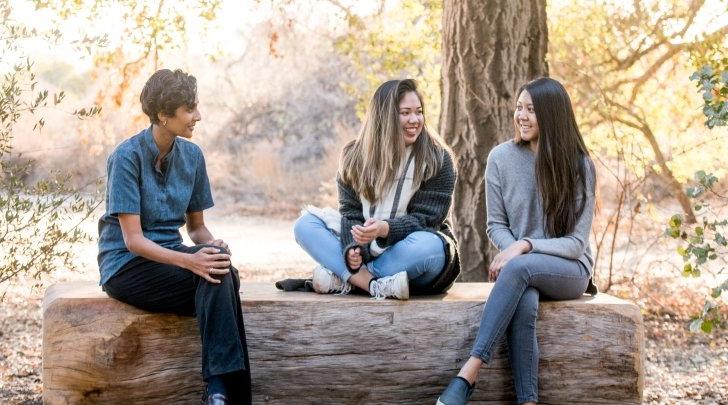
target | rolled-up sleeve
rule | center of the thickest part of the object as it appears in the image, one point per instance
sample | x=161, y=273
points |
x=201, y=195
x=351, y=214
x=123, y=183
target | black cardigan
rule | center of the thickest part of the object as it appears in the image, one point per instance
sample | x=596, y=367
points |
x=426, y=211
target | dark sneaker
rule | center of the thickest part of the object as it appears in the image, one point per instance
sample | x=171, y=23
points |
x=458, y=392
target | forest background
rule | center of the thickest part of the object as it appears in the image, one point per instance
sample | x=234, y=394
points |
x=283, y=85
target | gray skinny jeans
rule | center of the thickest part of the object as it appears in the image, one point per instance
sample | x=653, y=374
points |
x=512, y=308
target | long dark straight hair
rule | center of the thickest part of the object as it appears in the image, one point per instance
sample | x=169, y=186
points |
x=562, y=159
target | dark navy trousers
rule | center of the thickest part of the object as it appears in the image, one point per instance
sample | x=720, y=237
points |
x=158, y=287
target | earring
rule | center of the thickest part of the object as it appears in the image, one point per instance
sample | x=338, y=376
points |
x=164, y=124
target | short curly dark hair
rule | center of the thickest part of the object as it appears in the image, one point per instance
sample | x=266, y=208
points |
x=166, y=91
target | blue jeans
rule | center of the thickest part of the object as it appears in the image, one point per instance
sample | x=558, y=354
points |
x=421, y=254
x=512, y=308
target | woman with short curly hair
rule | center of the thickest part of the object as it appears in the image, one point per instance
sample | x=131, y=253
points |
x=156, y=183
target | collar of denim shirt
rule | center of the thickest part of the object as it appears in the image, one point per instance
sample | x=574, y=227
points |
x=153, y=150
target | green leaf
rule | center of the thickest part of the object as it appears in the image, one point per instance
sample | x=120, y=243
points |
x=675, y=221
x=672, y=232
x=695, y=325
x=687, y=270
x=706, y=70
x=706, y=326
x=694, y=192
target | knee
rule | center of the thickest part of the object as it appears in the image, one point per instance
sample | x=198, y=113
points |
x=425, y=245
x=219, y=249
x=227, y=281
x=516, y=267
x=303, y=226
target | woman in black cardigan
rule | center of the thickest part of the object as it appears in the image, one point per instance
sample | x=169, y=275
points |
x=395, y=183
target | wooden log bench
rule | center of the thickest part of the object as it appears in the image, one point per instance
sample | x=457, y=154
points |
x=309, y=348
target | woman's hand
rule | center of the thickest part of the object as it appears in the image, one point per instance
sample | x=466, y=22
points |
x=353, y=258
x=220, y=243
x=501, y=259
x=207, y=262
x=372, y=229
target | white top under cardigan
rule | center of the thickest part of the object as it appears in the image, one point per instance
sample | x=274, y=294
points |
x=395, y=201
x=393, y=205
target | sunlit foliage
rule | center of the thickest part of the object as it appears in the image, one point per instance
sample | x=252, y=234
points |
x=402, y=40
x=39, y=220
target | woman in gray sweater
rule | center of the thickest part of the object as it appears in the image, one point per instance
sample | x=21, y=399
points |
x=540, y=204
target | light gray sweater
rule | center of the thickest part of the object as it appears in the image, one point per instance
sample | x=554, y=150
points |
x=514, y=206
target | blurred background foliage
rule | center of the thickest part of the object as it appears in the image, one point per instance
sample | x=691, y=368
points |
x=283, y=85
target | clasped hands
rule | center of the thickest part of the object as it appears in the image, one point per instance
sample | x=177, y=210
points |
x=208, y=262
x=364, y=235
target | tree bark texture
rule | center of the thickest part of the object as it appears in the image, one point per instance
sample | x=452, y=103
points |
x=490, y=48
x=317, y=349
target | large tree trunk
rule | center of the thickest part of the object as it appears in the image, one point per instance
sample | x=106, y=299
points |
x=490, y=48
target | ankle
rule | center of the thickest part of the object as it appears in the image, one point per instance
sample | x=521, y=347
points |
x=469, y=377
x=216, y=385
x=470, y=370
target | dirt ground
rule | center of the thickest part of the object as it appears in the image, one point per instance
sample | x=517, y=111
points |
x=681, y=367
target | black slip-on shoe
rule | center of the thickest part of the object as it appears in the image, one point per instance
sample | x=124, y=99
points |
x=458, y=392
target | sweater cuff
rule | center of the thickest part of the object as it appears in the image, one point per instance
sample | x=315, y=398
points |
x=533, y=245
x=397, y=232
x=365, y=256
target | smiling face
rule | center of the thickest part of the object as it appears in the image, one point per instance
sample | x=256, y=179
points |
x=183, y=122
x=525, y=118
x=411, y=118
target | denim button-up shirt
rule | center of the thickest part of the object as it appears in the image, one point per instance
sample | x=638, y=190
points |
x=160, y=197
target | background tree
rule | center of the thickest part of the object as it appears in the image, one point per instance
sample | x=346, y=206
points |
x=490, y=48
x=628, y=73
x=39, y=220
x=705, y=242
x=384, y=46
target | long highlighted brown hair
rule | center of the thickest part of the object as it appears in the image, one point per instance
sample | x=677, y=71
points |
x=562, y=159
x=369, y=164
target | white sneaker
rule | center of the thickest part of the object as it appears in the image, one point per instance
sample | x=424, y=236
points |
x=325, y=282
x=396, y=286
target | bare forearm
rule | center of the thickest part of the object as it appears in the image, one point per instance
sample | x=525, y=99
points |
x=200, y=235
x=141, y=246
